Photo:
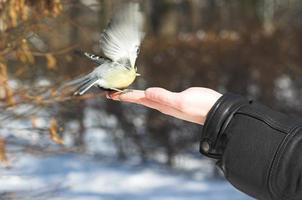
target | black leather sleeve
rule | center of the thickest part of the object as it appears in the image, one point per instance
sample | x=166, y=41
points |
x=258, y=149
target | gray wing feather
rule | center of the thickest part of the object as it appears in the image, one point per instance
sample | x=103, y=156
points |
x=97, y=59
x=123, y=35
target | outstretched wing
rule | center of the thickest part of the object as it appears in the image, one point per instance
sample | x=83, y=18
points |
x=123, y=35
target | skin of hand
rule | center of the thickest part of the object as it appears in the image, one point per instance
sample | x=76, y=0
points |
x=192, y=104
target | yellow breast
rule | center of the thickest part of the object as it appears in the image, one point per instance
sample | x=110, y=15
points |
x=119, y=79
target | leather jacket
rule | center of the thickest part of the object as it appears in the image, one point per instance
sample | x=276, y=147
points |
x=259, y=150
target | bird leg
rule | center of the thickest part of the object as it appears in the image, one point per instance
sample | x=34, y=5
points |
x=115, y=89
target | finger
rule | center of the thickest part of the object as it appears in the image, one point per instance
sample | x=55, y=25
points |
x=130, y=96
x=163, y=96
x=160, y=107
x=138, y=97
x=174, y=112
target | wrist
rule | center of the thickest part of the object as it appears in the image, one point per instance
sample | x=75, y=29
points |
x=209, y=103
x=216, y=121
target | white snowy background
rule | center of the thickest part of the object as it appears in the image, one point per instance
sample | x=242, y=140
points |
x=99, y=176
x=81, y=177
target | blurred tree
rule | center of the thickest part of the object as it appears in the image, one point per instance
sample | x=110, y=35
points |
x=249, y=47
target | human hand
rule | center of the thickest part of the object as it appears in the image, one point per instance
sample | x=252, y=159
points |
x=192, y=104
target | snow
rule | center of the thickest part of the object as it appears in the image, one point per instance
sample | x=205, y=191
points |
x=93, y=176
x=83, y=177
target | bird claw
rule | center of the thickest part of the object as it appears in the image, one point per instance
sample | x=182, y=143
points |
x=127, y=91
x=121, y=91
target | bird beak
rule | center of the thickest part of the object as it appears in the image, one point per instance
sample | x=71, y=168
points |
x=137, y=74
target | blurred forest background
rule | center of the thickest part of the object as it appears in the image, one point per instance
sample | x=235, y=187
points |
x=250, y=47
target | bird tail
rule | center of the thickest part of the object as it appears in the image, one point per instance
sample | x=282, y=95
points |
x=82, y=84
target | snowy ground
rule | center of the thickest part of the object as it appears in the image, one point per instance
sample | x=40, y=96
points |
x=87, y=177
x=81, y=177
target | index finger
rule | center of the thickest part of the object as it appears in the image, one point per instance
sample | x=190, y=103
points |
x=132, y=96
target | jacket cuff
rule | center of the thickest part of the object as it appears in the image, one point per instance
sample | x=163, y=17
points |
x=212, y=143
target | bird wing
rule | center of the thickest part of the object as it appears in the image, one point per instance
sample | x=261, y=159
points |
x=123, y=35
x=97, y=59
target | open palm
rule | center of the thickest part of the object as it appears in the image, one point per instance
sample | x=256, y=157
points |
x=192, y=104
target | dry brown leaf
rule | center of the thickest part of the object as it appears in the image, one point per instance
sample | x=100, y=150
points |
x=38, y=100
x=34, y=121
x=53, y=132
x=24, y=10
x=53, y=92
x=57, y=8
x=8, y=92
x=24, y=53
x=29, y=57
x=9, y=95
x=13, y=13
x=3, y=73
x=3, y=154
x=51, y=61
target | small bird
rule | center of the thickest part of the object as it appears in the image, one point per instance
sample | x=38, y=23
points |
x=120, y=43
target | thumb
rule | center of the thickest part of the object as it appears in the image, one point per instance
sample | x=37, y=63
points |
x=162, y=96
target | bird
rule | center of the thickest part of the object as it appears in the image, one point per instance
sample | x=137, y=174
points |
x=120, y=43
